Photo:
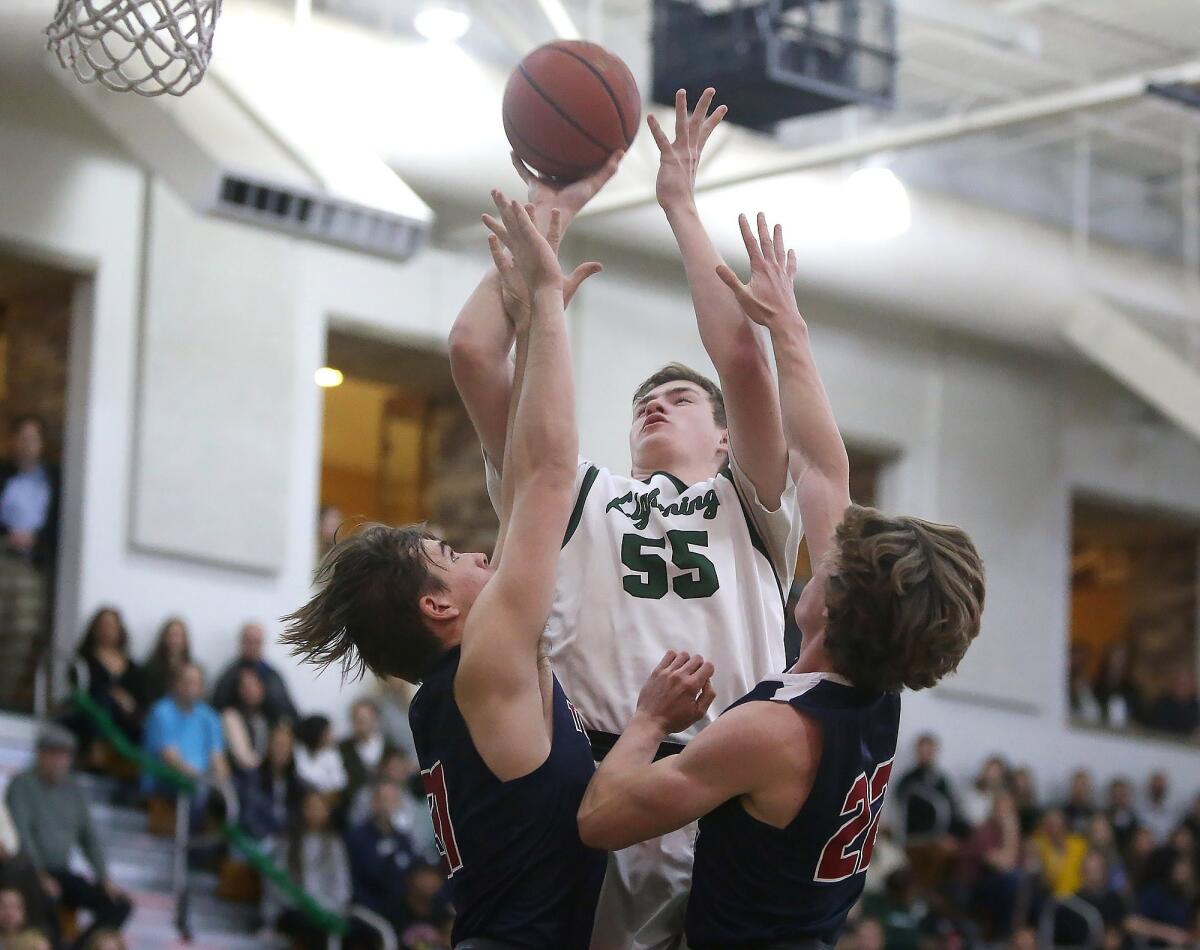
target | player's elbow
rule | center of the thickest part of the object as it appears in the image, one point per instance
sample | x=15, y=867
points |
x=467, y=351
x=596, y=831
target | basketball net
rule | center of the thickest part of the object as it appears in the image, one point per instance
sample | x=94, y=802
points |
x=149, y=47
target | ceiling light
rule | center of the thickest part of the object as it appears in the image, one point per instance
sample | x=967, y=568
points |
x=327, y=377
x=875, y=205
x=442, y=22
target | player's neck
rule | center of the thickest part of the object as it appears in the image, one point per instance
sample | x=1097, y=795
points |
x=813, y=658
x=688, y=471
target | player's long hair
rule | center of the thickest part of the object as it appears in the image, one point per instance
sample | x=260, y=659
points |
x=365, y=613
x=904, y=601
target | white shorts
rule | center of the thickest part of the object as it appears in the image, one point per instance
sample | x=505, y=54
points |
x=645, y=894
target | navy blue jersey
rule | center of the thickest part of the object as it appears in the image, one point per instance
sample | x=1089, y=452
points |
x=752, y=882
x=518, y=871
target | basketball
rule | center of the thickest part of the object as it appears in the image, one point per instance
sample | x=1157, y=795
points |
x=568, y=106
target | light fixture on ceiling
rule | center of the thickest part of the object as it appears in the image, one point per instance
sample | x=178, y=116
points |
x=875, y=205
x=327, y=377
x=445, y=21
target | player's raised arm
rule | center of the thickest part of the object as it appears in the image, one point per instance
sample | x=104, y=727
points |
x=497, y=685
x=817, y=452
x=751, y=400
x=483, y=333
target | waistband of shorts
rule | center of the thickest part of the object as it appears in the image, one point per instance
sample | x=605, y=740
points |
x=602, y=743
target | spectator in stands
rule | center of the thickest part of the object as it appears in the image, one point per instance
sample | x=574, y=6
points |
x=1109, y=902
x=172, y=649
x=1061, y=852
x=29, y=504
x=427, y=916
x=1156, y=813
x=380, y=855
x=364, y=750
x=1121, y=813
x=1178, y=710
x=29, y=939
x=996, y=860
x=1085, y=707
x=270, y=797
x=184, y=732
x=1080, y=804
x=899, y=908
x=993, y=778
x=1139, y=855
x=246, y=723
x=1115, y=690
x=1165, y=912
x=392, y=703
x=12, y=914
x=927, y=793
x=869, y=934
x=1191, y=821
x=250, y=654
x=106, y=940
x=329, y=520
x=1103, y=841
x=318, y=762
x=314, y=855
x=115, y=681
x=1025, y=793
x=52, y=818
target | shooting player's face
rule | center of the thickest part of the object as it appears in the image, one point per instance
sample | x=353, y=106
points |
x=463, y=575
x=674, y=423
x=810, y=612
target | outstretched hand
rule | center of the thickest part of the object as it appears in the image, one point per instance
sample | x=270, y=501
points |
x=678, y=692
x=679, y=159
x=568, y=197
x=770, y=296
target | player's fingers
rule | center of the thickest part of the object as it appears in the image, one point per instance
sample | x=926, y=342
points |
x=701, y=110
x=578, y=276
x=523, y=170
x=681, y=118
x=554, y=229
x=609, y=168
x=659, y=136
x=731, y=280
x=777, y=241
x=693, y=664
x=791, y=264
x=498, y=255
x=665, y=662
x=496, y=227
x=752, y=248
x=680, y=661
x=705, y=699
x=711, y=123
x=764, y=237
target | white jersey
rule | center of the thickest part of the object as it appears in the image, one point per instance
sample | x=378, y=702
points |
x=656, y=565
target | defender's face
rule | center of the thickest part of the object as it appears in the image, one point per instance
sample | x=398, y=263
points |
x=464, y=575
x=810, y=611
x=674, y=421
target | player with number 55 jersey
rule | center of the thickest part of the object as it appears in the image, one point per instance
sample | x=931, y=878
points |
x=789, y=782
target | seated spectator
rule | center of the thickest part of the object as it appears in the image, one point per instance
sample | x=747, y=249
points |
x=314, y=856
x=427, y=915
x=1025, y=793
x=365, y=749
x=392, y=702
x=246, y=723
x=1191, y=821
x=1121, y=813
x=1109, y=902
x=1061, y=852
x=900, y=910
x=1085, y=707
x=172, y=649
x=106, y=940
x=1102, y=841
x=380, y=855
x=250, y=654
x=1139, y=857
x=1178, y=710
x=29, y=939
x=52, y=818
x=12, y=914
x=1165, y=911
x=184, y=732
x=317, y=760
x=1157, y=813
x=995, y=862
x=921, y=787
x=1079, y=806
x=115, y=682
x=270, y=797
x=1115, y=690
x=993, y=777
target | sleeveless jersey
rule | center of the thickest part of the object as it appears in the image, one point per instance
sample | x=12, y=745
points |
x=656, y=565
x=753, y=883
x=517, y=869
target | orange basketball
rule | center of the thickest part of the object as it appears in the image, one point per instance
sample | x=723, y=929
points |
x=568, y=106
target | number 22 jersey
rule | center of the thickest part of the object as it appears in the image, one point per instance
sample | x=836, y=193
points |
x=753, y=883
x=655, y=565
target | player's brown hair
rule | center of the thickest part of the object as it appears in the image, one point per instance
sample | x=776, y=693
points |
x=904, y=600
x=677, y=372
x=365, y=613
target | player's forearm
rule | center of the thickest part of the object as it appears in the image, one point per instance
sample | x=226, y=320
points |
x=479, y=343
x=607, y=813
x=545, y=441
x=728, y=336
x=809, y=425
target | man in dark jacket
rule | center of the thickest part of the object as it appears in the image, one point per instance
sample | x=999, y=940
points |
x=278, y=703
x=364, y=749
x=380, y=856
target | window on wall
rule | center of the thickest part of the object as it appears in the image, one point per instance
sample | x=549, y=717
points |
x=1133, y=654
x=865, y=470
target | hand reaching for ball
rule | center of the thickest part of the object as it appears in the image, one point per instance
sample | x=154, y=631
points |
x=568, y=197
x=678, y=692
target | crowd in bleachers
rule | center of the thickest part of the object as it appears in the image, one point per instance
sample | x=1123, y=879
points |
x=1109, y=695
x=343, y=816
x=995, y=864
